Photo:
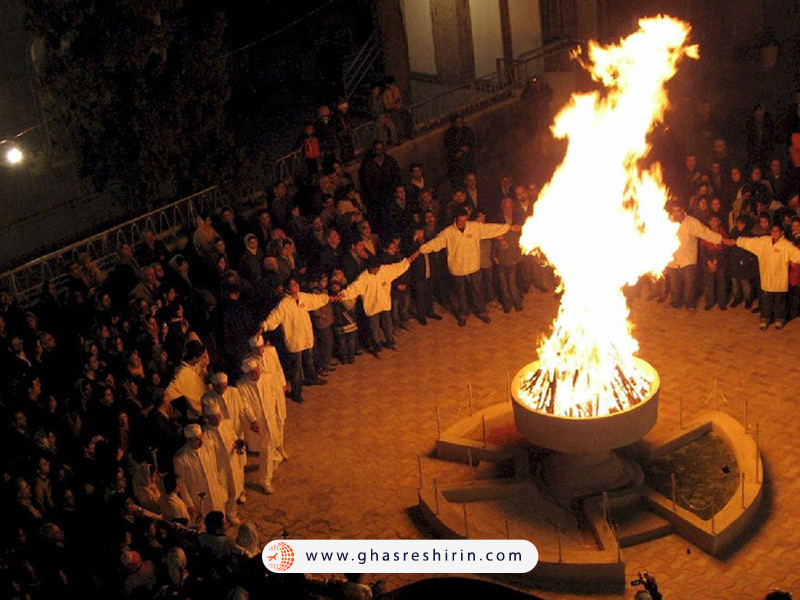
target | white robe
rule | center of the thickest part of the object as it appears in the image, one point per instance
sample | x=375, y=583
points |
x=270, y=365
x=198, y=471
x=235, y=409
x=262, y=399
x=230, y=463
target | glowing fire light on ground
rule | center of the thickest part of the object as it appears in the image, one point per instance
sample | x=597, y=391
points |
x=623, y=232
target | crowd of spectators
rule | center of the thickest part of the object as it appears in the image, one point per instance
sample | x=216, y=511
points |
x=102, y=385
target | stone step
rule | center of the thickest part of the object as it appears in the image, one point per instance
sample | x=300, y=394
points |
x=638, y=525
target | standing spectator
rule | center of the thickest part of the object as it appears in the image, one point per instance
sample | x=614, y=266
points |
x=395, y=107
x=423, y=274
x=416, y=183
x=374, y=286
x=344, y=131
x=793, y=294
x=292, y=314
x=309, y=146
x=151, y=249
x=682, y=269
x=325, y=130
x=379, y=176
x=322, y=322
x=774, y=254
x=462, y=241
x=760, y=136
x=401, y=293
x=459, y=150
x=400, y=213
x=715, y=267
x=506, y=255
x=385, y=129
x=345, y=326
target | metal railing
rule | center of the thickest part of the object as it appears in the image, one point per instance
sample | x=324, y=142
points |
x=26, y=281
x=360, y=64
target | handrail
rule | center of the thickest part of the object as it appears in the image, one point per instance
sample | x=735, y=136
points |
x=27, y=279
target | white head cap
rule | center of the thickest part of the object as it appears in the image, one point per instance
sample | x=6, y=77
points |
x=249, y=364
x=192, y=431
x=257, y=341
x=219, y=378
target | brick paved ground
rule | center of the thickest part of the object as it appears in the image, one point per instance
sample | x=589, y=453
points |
x=355, y=442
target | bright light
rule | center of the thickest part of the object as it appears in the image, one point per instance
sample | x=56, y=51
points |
x=586, y=365
x=13, y=155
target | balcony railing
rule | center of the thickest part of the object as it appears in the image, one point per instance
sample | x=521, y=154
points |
x=26, y=281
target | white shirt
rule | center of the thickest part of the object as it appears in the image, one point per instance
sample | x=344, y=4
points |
x=689, y=230
x=188, y=382
x=463, y=248
x=376, y=289
x=293, y=315
x=197, y=470
x=773, y=260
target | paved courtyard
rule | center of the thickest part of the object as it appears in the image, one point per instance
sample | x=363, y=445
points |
x=354, y=443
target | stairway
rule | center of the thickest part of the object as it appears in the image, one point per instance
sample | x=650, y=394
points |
x=359, y=65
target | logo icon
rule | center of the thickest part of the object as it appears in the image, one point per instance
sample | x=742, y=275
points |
x=279, y=556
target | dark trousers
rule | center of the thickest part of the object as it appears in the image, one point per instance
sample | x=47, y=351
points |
x=773, y=306
x=715, y=286
x=378, y=322
x=793, y=301
x=401, y=301
x=530, y=272
x=423, y=297
x=323, y=346
x=460, y=284
x=509, y=292
x=346, y=344
x=742, y=289
x=487, y=284
x=303, y=371
x=681, y=284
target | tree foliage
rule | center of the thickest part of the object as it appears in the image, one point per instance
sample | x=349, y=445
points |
x=140, y=88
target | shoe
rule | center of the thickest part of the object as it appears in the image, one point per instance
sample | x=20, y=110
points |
x=723, y=306
x=323, y=372
x=332, y=364
x=359, y=352
x=506, y=309
x=735, y=303
x=493, y=304
x=692, y=311
x=676, y=305
x=283, y=453
x=278, y=460
x=485, y=318
x=462, y=322
x=234, y=520
x=242, y=499
x=518, y=308
x=707, y=307
x=435, y=316
x=748, y=304
x=267, y=488
x=389, y=345
x=298, y=400
x=661, y=299
x=422, y=321
x=405, y=326
x=319, y=381
x=779, y=324
x=755, y=310
x=762, y=326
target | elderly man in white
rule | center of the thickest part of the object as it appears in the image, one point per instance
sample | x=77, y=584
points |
x=375, y=287
x=774, y=254
x=231, y=456
x=196, y=466
x=292, y=312
x=258, y=390
x=234, y=407
x=267, y=357
x=463, y=242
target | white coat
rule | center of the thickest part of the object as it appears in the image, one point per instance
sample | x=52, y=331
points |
x=229, y=461
x=773, y=260
x=262, y=399
x=690, y=229
x=235, y=409
x=198, y=471
x=293, y=315
x=376, y=289
x=463, y=247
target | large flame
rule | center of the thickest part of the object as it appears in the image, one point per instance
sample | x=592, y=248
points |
x=601, y=223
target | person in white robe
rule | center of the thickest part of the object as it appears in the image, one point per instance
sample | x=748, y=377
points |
x=271, y=367
x=196, y=466
x=258, y=390
x=231, y=456
x=234, y=407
